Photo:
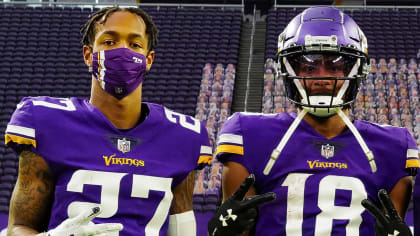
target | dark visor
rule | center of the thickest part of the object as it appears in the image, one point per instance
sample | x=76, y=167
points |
x=334, y=64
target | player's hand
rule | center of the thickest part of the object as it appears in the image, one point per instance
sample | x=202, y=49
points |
x=388, y=223
x=82, y=225
x=237, y=214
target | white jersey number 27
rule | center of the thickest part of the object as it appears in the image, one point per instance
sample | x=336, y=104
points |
x=110, y=188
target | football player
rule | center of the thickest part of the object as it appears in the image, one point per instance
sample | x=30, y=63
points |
x=111, y=165
x=318, y=162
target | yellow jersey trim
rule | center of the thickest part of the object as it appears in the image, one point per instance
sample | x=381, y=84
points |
x=19, y=140
x=205, y=159
x=412, y=163
x=230, y=149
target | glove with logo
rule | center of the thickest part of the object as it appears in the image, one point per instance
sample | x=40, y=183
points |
x=388, y=223
x=82, y=225
x=236, y=214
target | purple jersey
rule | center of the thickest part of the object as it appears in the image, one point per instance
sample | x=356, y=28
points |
x=130, y=173
x=319, y=182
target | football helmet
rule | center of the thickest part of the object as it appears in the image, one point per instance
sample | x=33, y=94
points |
x=322, y=36
x=327, y=43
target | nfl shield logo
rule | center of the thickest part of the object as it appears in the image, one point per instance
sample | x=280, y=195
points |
x=118, y=90
x=123, y=145
x=327, y=151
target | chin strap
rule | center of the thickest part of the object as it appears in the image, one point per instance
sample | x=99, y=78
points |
x=366, y=150
x=277, y=151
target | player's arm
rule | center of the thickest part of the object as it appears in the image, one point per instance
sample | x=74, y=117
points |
x=232, y=177
x=401, y=194
x=30, y=205
x=31, y=200
x=183, y=194
x=182, y=220
x=238, y=213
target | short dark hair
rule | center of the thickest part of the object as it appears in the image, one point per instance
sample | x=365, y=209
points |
x=88, y=30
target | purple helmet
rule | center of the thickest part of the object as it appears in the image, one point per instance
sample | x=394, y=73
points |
x=322, y=35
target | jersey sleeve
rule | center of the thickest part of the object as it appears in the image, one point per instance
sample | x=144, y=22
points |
x=230, y=143
x=412, y=162
x=21, y=131
x=206, y=150
x=401, y=159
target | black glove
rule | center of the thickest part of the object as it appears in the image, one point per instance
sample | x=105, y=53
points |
x=236, y=215
x=388, y=223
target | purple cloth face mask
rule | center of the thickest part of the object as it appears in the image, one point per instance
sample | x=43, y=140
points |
x=119, y=71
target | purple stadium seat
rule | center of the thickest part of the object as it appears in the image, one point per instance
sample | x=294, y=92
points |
x=210, y=208
x=197, y=207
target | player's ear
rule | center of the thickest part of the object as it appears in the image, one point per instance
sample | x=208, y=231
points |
x=149, y=60
x=87, y=55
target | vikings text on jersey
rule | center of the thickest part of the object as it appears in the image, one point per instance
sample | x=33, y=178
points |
x=130, y=173
x=319, y=182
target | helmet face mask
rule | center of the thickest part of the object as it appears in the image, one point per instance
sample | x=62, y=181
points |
x=322, y=57
x=333, y=52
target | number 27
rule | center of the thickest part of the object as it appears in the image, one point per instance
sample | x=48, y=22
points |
x=110, y=187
